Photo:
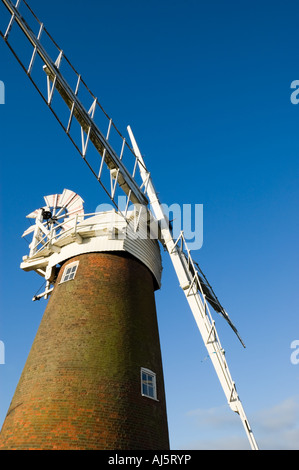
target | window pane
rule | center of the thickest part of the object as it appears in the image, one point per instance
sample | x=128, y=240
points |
x=148, y=384
x=69, y=272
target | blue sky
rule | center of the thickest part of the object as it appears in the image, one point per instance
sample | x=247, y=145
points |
x=205, y=87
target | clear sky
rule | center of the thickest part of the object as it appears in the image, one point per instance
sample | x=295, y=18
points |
x=205, y=86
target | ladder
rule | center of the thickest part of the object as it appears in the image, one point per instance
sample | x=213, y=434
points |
x=55, y=77
x=193, y=288
x=137, y=185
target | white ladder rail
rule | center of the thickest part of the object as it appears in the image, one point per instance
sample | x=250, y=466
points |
x=207, y=328
x=199, y=308
x=89, y=130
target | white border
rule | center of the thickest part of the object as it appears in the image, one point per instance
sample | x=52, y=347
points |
x=149, y=372
x=70, y=265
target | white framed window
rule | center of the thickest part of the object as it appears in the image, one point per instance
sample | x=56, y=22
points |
x=69, y=272
x=148, y=383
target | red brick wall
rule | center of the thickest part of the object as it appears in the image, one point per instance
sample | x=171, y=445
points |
x=80, y=387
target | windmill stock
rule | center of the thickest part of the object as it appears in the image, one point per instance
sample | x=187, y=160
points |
x=65, y=240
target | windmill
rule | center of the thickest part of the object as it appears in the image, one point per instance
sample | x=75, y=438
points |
x=120, y=169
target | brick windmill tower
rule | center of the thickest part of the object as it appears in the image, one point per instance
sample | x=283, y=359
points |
x=94, y=377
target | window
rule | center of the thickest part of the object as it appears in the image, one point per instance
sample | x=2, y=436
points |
x=69, y=272
x=148, y=384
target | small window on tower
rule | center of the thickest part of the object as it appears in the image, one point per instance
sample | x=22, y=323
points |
x=148, y=384
x=69, y=272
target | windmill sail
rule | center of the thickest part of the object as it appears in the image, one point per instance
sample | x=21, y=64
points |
x=190, y=282
x=213, y=300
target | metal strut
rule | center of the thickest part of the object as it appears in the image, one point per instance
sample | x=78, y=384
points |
x=138, y=188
